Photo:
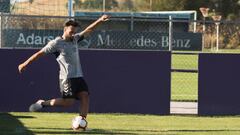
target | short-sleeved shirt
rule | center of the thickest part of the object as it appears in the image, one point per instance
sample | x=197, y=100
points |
x=67, y=56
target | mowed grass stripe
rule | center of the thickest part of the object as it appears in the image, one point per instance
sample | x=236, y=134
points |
x=60, y=123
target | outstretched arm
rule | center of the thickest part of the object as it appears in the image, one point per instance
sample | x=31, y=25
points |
x=34, y=57
x=92, y=26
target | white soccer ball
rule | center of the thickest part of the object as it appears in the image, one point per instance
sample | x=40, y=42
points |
x=79, y=123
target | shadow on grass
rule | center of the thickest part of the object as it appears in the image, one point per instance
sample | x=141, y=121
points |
x=10, y=124
x=124, y=131
x=92, y=131
x=178, y=131
x=23, y=117
x=206, y=130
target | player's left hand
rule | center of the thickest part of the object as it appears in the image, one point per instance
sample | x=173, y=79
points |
x=104, y=18
x=21, y=68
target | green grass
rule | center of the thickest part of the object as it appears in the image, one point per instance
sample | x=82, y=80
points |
x=181, y=61
x=60, y=123
x=184, y=86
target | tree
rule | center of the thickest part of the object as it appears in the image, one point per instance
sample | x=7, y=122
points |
x=222, y=7
x=92, y=4
x=129, y=5
x=31, y=1
x=168, y=5
x=142, y=5
x=77, y=4
x=111, y=4
x=229, y=7
x=98, y=4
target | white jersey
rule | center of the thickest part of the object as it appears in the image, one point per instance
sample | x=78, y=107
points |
x=66, y=55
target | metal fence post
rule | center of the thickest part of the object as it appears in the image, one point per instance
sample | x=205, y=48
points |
x=70, y=8
x=104, y=6
x=217, y=44
x=132, y=22
x=170, y=34
x=0, y=29
x=217, y=19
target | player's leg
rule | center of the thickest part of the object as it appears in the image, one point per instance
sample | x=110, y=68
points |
x=65, y=102
x=80, y=90
x=84, y=103
x=50, y=103
x=82, y=94
x=68, y=97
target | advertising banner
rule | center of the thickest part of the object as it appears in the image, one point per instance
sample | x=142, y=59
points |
x=5, y=6
x=107, y=39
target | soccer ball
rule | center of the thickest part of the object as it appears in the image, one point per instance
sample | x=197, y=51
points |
x=79, y=123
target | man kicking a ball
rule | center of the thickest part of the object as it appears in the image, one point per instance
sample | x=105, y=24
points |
x=72, y=84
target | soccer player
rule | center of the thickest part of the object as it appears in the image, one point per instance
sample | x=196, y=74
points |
x=65, y=48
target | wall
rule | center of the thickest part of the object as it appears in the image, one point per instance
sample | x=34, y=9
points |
x=119, y=81
x=219, y=88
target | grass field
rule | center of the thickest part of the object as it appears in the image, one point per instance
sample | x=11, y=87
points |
x=60, y=123
x=184, y=86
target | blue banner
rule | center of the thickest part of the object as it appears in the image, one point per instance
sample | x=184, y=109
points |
x=5, y=6
x=107, y=39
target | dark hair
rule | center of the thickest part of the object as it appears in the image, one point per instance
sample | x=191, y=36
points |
x=71, y=23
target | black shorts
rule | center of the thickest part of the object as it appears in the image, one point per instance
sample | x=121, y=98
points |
x=70, y=87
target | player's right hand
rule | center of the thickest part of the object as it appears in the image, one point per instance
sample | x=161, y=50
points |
x=104, y=18
x=21, y=67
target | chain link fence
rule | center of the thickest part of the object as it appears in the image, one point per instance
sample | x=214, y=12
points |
x=19, y=31
x=185, y=64
x=118, y=33
x=184, y=77
x=229, y=36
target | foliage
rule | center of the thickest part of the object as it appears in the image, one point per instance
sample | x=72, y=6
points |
x=92, y=4
x=97, y=4
x=77, y=4
x=168, y=5
x=222, y=7
x=128, y=4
